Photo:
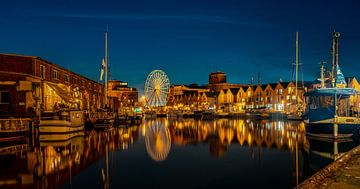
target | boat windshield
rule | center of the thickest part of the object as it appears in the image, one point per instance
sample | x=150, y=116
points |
x=320, y=102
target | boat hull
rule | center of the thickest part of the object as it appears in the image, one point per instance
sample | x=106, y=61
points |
x=13, y=135
x=104, y=123
x=60, y=137
x=327, y=130
x=60, y=128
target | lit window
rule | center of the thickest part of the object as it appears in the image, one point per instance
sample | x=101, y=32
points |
x=280, y=91
x=4, y=97
x=42, y=71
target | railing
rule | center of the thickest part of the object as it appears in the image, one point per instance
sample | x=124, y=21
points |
x=14, y=124
x=14, y=149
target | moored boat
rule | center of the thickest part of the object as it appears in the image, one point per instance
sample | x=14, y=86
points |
x=14, y=128
x=64, y=121
x=208, y=114
x=333, y=112
x=150, y=114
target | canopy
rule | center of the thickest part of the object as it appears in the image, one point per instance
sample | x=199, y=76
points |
x=332, y=92
x=65, y=95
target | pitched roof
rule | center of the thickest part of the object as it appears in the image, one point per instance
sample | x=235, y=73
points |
x=190, y=92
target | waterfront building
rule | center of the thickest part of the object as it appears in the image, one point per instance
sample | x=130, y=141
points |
x=28, y=82
x=126, y=96
x=188, y=96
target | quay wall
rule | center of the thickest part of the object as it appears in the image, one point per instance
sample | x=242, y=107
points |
x=343, y=173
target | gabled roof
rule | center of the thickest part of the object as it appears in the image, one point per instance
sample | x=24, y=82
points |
x=349, y=79
x=190, y=93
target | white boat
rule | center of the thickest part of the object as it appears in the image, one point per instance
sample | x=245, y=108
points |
x=62, y=122
x=60, y=137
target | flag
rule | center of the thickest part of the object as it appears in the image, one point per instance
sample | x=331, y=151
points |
x=102, y=69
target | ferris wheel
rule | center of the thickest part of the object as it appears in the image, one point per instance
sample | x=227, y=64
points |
x=157, y=87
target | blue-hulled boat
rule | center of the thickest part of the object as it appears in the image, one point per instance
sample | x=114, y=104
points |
x=329, y=108
x=333, y=112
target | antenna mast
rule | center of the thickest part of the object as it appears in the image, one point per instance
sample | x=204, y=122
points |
x=296, y=64
x=106, y=68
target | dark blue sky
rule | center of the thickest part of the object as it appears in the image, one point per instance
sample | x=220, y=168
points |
x=186, y=39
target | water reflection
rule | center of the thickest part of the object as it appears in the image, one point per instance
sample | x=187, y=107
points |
x=121, y=154
x=319, y=153
x=157, y=140
x=52, y=163
x=221, y=133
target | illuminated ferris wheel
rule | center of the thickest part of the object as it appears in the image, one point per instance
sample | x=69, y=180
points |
x=157, y=87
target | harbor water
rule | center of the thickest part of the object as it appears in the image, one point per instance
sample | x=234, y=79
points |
x=172, y=153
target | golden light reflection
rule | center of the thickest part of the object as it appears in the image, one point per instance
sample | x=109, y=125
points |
x=157, y=140
x=269, y=134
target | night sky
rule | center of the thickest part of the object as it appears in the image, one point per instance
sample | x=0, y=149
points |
x=186, y=39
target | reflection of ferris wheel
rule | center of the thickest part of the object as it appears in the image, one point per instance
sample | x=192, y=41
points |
x=157, y=87
x=158, y=141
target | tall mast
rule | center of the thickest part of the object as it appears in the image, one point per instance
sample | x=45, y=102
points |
x=296, y=64
x=335, y=56
x=333, y=60
x=106, y=68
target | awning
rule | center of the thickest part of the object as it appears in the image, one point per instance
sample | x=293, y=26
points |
x=332, y=92
x=65, y=95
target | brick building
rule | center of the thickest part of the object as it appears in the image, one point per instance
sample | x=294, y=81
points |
x=126, y=96
x=29, y=81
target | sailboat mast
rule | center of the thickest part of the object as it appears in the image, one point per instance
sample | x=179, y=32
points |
x=106, y=68
x=333, y=61
x=296, y=64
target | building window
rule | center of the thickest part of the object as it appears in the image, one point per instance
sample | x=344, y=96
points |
x=66, y=78
x=280, y=91
x=83, y=83
x=4, y=97
x=42, y=71
x=55, y=74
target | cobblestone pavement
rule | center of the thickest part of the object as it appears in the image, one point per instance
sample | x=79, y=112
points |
x=343, y=173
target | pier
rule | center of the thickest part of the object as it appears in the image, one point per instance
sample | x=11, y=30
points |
x=342, y=173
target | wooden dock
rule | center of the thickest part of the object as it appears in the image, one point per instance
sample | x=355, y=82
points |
x=342, y=173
